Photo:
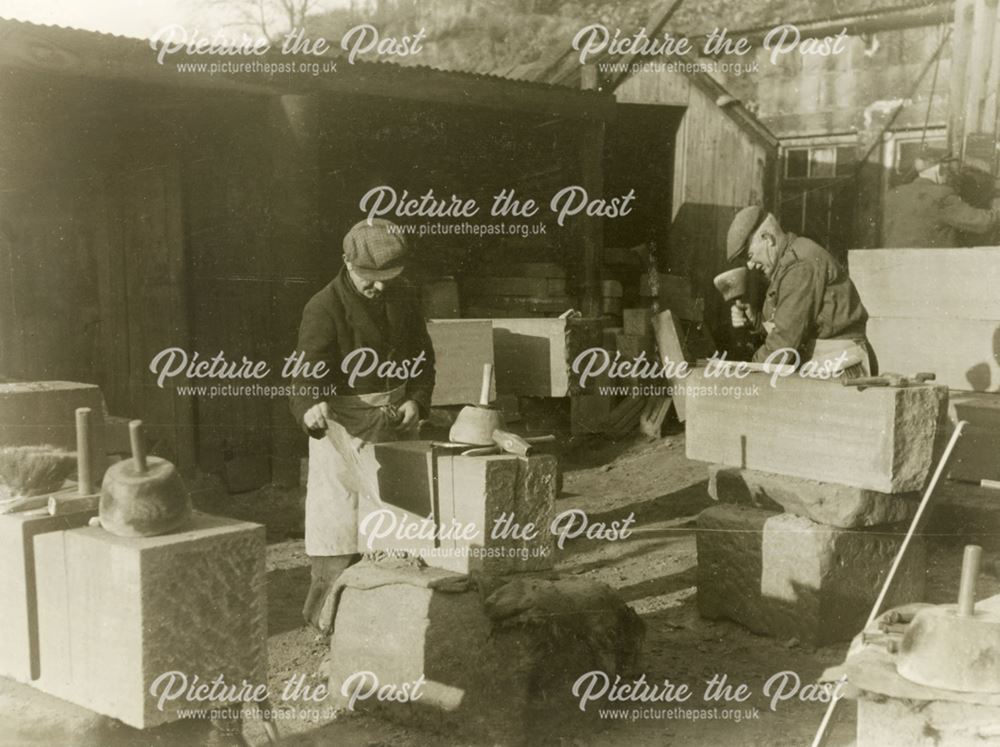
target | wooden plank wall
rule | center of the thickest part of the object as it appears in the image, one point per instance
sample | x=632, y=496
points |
x=718, y=168
x=92, y=245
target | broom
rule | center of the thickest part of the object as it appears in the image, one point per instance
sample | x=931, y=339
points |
x=27, y=471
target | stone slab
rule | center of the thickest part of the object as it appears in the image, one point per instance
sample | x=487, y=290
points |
x=825, y=503
x=962, y=352
x=114, y=613
x=461, y=347
x=18, y=588
x=881, y=438
x=958, y=283
x=788, y=577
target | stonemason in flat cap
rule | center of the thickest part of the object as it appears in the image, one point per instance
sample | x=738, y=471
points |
x=744, y=225
x=375, y=251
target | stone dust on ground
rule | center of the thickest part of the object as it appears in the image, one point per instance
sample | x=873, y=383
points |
x=653, y=569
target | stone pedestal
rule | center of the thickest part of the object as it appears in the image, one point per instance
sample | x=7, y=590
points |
x=115, y=613
x=908, y=723
x=789, y=577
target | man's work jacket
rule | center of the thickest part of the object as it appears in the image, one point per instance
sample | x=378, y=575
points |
x=809, y=297
x=339, y=320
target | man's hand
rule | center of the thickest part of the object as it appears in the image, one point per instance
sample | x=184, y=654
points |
x=409, y=413
x=742, y=315
x=316, y=417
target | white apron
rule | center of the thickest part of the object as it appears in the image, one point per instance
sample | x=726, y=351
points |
x=342, y=470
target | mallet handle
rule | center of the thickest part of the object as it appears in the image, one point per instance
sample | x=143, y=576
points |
x=484, y=392
x=84, y=453
x=967, y=584
x=138, y=445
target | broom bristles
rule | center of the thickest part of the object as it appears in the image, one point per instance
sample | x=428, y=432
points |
x=30, y=470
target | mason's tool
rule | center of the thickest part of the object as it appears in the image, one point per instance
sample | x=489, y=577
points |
x=890, y=379
x=143, y=496
x=475, y=423
x=732, y=284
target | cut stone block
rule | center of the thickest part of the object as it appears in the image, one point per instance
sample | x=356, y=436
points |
x=534, y=356
x=461, y=347
x=823, y=502
x=18, y=587
x=44, y=412
x=479, y=492
x=637, y=322
x=881, y=438
x=492, y=671
x=114, y=613
x=789, y=577
x=977, y=453
x=407, y=484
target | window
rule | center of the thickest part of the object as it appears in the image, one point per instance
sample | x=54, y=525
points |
x=820, y=162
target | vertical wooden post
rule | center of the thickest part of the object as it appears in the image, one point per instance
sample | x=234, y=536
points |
x=960, y=42
x=592, y=180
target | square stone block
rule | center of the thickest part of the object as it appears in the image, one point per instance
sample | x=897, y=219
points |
x=115, y=613
x=789, y=577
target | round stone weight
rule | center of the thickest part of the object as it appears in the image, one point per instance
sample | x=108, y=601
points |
x=942, y=648
x=146, y=503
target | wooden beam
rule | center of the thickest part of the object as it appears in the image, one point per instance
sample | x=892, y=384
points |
x=960, y=42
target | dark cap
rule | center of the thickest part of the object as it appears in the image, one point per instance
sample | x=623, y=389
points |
x=375, y=251
x=744, y=225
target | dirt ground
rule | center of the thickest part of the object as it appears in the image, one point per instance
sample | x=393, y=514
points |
x=653, y=570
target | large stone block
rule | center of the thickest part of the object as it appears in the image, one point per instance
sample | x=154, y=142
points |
x=789, y=577
x=482, y=491
x=461, y=347
x=114, y=613
x=492, y=671
x=881, y=438
x=18, y=588
x=825, y=503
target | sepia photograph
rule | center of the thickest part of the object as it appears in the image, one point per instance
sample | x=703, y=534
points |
x=499, y=373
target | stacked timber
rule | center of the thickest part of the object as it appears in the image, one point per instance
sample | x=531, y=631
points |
x=937, y=310
x=815, y=484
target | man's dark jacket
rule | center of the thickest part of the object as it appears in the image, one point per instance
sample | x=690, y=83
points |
x=339, y=319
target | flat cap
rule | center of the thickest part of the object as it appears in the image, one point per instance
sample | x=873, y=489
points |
x=375, y=250
x=742, y=228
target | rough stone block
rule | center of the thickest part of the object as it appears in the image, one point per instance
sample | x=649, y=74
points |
x=534, y=356
x=881, y=438
x=492, y=671
x=479, y=491
x=891, y=721
x=789, y=577
x=18, y=597
x=114, y=613
x=825, y=503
